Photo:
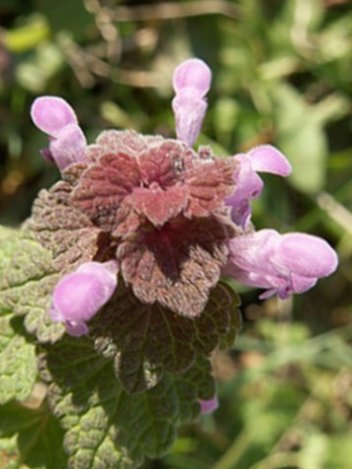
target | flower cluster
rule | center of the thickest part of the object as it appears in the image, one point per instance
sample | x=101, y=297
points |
x=173, y=219
x=170, y=220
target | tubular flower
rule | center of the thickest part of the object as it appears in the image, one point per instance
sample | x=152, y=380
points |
x=248, y=185
x=55, y=117
x=282, y=264
x=79, y=295
x=191, y=82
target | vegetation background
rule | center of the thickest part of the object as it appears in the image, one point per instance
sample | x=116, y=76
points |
x=282, y=75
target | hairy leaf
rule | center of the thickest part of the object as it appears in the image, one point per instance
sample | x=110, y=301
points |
x=62, y=229
x=38, y=434
x=155, y=178
x=178, y=264
x=18, y=367
x=209, y=183
x=104, y=425
x=27, y=277
x=148, y=340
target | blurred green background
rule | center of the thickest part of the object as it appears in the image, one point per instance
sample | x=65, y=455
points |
x=282, y=75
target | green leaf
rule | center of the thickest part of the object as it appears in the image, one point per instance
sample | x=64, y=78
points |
x=18, y=368
x=105, y=426
x=39, y=437
x=27, y=278
x=148, y=340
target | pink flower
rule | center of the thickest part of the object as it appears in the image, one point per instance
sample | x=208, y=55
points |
x=191, y=82
x=249, y=185
x=208, y=406
x=79, y=295
x=57, y=119
x=282, y=264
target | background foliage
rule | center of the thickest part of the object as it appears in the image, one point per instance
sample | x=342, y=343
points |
x=282, y=75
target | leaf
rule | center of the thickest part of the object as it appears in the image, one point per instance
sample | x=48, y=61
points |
x=27, y=277
x=121, y=180
x=148, y=340
x=105, y=426
x=18, y=370
x=62, y=229
x=39, y=437
x=178, y=264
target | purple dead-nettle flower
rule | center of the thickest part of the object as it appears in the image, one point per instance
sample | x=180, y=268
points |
x=191, y=82
x=249, y=185
x=282, y=264
x=209, y=406
x=172, y=217
x=79, y=295
x=55, y=117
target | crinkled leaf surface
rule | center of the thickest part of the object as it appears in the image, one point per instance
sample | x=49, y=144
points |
x=178, y=264
x=38, y=434
x=66, y=232
x=18, y=367
x=27, y=277
x=24, y=267
x=105, y=426
x=148, y=340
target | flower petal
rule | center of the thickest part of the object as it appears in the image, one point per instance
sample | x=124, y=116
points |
x=189, y=113
x=191, y=82
x=268, y=159
x=248, y=185
x=69, y=146
x=51, y=113
x=306, y=255
x=76, y=329
x=284, y=264
x=208, y=406
x=193, y=73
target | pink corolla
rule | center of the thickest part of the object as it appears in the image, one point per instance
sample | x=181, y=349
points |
x=191, y=82
x=208, y=406
x=282, y=264
x=55, y=117
x=79, y=295
x=249, y=185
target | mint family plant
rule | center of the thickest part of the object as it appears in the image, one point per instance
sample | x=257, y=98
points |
x=112, y=291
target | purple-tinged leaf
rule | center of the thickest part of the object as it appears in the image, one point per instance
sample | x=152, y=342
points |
x=178, y=264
